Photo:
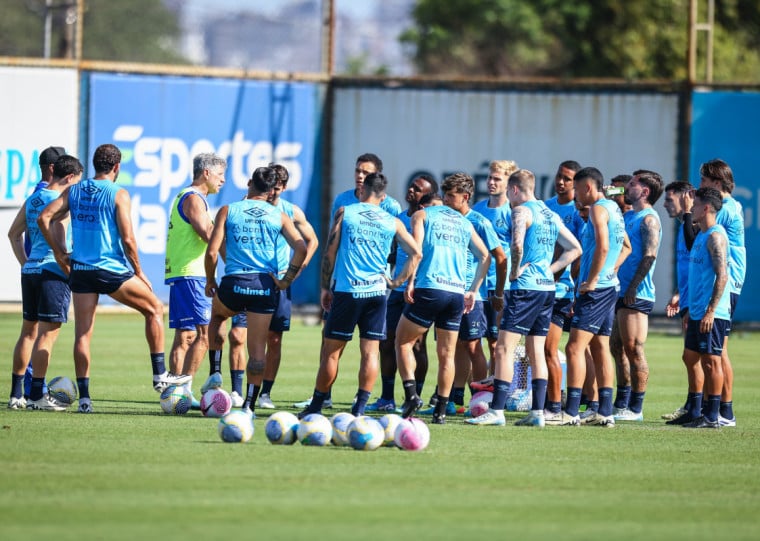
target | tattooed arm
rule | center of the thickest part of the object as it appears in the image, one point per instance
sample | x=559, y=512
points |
x=717, y=247
x=521, y=220
x=328, y=260
x=649, y=230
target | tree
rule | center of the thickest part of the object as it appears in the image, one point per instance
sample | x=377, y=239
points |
x=646, y=39
x=133, y=31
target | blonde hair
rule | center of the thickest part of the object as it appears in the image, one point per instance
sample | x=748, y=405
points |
x=506, y=166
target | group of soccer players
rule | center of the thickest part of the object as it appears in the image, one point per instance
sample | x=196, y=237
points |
x=508, y=267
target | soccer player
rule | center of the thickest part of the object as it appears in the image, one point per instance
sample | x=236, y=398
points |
x=104, y=248
x=354, y=288
x=366, y=164
x=437, y=295
x=717, y=174
x=563, y=203
x=249, y=231
x=709, y=307
x=190, y=226
x=636, y=296
x=496, y=210
x=616, y=192
x=679, y=200
x=535, y=232
x=281, y=318
x=605, y=246
x=422, y=186
x=44, y=288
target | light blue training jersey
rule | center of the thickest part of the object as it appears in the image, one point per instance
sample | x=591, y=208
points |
x=565, y=287
x=731, y=217
x=401, y=255
x=615, y=234
x=251, y=232
x=486, y=232
x=501, y=220
x=702, y=278
x=283, y=248
x=627, y=270
x=444, y=250
x=41, y=256
x=95, y=234
x=366, y=236
x=538, y=249
x=389, y=205
x=682, y=269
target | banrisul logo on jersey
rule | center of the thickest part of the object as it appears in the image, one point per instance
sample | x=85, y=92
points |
x=170, y=120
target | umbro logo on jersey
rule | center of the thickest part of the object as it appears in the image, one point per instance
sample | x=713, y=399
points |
x=371, y=215
x=256, y=212
x=90, y=188
x=37, y=202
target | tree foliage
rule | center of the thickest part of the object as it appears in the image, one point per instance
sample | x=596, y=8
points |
x=132, y=31
x=645, y=39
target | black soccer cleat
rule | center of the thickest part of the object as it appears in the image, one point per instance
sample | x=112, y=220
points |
x=439, y=419
x=410, y=406
x=683, y=420
x=702, y=422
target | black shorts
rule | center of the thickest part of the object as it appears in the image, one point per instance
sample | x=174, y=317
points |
x=45, y=297
x=98, y=281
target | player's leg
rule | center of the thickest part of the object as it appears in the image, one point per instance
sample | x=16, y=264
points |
x=407, y=334
x=575, y=353
x=605, y=377
x=622, y=362
x=258, y=328
x=277, y=327
x=634, y=327
x=85, y=305
x=446, y=342
x=238, y=336
x=22, y=352
x=421, y=359
x=693, y=406
x=41, y=352
x=369, y=367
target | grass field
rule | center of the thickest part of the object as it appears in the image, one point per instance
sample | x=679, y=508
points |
x=130, y=472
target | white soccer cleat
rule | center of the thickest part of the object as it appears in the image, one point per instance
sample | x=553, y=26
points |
x=568, y=420
x=17, y=403
x=162, y=381
x=597, y=419
x=327, y=404
x=237, y=400
x=265, y=402
x=680, y=412
x=214, y=381
x=85, y=405
x=490, y=418
x=551, y=418
x=628, y=415
x=727, y=422
x=46, y=403
x=534, y=418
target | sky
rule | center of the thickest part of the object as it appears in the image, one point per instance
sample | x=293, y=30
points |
x=356, y=8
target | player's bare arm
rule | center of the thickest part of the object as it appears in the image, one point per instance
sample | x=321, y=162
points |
x=124, y=225
x=308, y=234
x=16, y=235
x=717, y=247
x=650, y=243
x=413, y=251
x=599, y=217
x=520, y=224
x=54, y=212
x=194, y=209
x=215, y=244
x=297, y=244
x=483, y=259
x=417, y=225
x=570, y=250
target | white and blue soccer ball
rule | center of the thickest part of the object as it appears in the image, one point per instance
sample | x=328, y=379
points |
x=176, y=400
x=365, y=434
x=281, y=428
x=390, y=422
x=340, y=423
x=62, y=389
x=314, y=429
x=236, y=427
x=216, y=403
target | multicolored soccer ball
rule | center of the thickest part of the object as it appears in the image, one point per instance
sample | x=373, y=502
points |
x=480, y=403
x=390, y=423
x=62, y=389
x=365, y=434
x=236, y=427
x=176, y=400
x=216, y=403
x=314, y=429
x=281, y=428
x=412, y=435
x=340, y=423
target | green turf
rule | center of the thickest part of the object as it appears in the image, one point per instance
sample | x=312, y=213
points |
x=130, y=472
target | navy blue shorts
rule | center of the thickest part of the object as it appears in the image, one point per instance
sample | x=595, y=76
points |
x=45, y=297
x=561, y=313
x=347, y=312
x=432, y=306
x=595, y=311
x=394, y=309
x=188, y=304
x=493, y=318
x=473, y=325
x=280, y=319
x=640, y=305
x=710, y=343
x=253, y=292
x=528, y=312
x=98, y=281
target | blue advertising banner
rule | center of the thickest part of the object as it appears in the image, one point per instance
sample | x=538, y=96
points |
x=725, y=126
x=160, y=123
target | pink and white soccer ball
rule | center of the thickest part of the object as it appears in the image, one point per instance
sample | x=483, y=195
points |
x=480, y=403
x=412, y=435
x=216, y=403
